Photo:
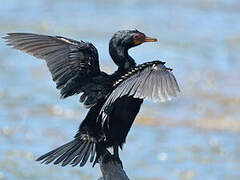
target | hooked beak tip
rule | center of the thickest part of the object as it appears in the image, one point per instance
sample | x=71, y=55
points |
x=150, y=39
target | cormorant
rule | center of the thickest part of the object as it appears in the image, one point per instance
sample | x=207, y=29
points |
x=113, y=100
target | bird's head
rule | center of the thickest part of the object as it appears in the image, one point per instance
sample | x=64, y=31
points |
x=130, y=38
x=122, y=41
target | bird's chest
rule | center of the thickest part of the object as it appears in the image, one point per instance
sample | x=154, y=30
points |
x=121, y=119
x=124, y=112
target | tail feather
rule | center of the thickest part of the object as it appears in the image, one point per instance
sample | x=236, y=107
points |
x=75, y=161
x=86, y=156
x=56, y=154
x=80, y=155
x=53, y=151
x=93, y=152
x=66, y=154
x=75, y=152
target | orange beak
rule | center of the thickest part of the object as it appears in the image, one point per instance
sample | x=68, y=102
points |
x=149, y=39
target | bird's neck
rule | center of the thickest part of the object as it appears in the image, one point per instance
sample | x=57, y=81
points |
x=121, y=57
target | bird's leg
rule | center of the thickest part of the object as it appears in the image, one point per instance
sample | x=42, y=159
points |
x=115, y=151
x=116, y=155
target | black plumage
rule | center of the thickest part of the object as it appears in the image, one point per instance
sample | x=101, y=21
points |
x=114, y=100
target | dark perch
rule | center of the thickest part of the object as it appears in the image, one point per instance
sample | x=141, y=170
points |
x=111, y=170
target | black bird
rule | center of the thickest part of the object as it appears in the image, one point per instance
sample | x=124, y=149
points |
x=114, y=100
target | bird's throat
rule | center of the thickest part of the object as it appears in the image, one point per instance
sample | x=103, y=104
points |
x=121, y=58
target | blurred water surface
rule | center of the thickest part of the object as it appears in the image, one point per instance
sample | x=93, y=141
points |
x=195, y=136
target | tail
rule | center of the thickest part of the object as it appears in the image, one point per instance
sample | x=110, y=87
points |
x=74, y=152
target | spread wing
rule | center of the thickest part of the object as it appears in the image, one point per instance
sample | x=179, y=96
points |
x=152, y=80
x=74, y=65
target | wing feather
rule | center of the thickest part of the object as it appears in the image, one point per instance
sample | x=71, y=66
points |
x=142, y=79
x=163, y=92
x=152, y=80
x=72, y=64
x=155, y=87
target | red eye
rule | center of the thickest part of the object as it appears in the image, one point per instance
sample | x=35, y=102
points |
x=137, y=36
